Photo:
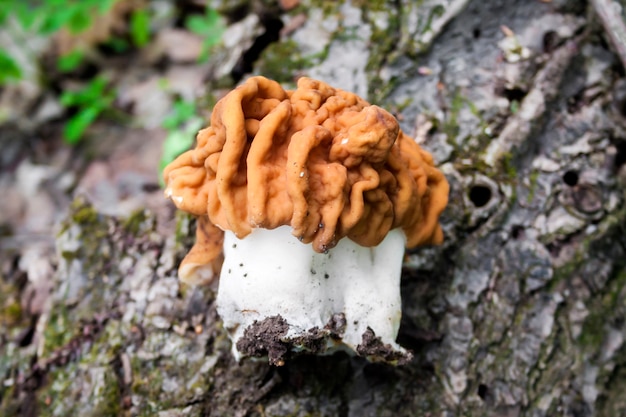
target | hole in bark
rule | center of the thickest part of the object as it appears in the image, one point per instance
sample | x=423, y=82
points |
x=482, y=391
x=237, y=13
x=550, y=41
x=244, y=65
x=514, y=94
x=617, y=68
x=620, y=156
x=619, y=97
x=570, y=178
x=479, y=195
x=517, y=231
x=150, y=187
x=622, y=106
x=25, y=338
x=576, y=102
x=476, y=33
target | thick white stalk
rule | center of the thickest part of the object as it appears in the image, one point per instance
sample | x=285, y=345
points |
x=271, y=273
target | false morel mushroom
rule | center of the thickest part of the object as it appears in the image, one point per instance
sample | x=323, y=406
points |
x=305, y=202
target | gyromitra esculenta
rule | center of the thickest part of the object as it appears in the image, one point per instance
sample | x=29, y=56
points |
x=305, y=202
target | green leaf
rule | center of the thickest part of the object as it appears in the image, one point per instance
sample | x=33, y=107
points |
x=55, y=19
x=80, y=20
x=71, y=61
x=214, y=21
x=24, y=15
x=69, y=98
x=90, y=101
x=6, y=10
x=196, y=24
x=140, y=28
x=50, y=16
x=104, y=5
x=208, y=26
x=179, y=141
x=175, y=143
x=182, y=111
x=91, y=93
x=182, y=124
x=94, y=92
x=9, y=69
x=78, y=124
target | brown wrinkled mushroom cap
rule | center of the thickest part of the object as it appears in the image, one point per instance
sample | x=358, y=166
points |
x=319, y=159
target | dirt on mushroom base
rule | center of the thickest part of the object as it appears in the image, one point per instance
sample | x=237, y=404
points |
x=268, y=338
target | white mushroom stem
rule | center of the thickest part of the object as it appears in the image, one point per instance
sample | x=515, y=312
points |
x=271, y=273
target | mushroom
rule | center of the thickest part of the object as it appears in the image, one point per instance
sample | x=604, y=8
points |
x=305, y=201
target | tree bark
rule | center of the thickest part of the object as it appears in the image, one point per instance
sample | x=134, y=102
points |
x=521, y=312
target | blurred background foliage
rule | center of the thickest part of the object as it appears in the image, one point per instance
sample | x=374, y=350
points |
x=75, y=33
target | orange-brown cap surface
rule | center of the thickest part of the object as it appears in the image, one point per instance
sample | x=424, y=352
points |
x=319, y=159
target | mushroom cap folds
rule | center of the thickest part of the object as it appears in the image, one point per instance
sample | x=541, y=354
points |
x=319, y=159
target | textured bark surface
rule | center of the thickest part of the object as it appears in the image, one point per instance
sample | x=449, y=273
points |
x=522, y=311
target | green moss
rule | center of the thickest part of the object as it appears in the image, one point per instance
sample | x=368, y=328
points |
x=65, y=393
x=66, y=388
x=328, y=7
x=59, y=330
x=10, y=312
x=57, y=395
x=566, y=271
x=82, y=213
x=533, y=177
x=13, y=312
x=110, y=399
x=282, y=61
x=91, y=228
x=604, y=309
x=90, y=239
x=424, y=26
x=450, y=126
x=383, y=45
x=185, y=227
x=147, y=381
x=508, y=168
x=593, y=330
x=436, y=12
x=135, y=223
x=9, y=405
x=373, y=5
x=612, y=402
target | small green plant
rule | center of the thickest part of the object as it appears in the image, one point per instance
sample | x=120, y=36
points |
x=9, y=69
x=182, y=124
x=49, y=16
x=89, y=102
x=45, y=18
x=140, y=27
x=209, y=26
x=70, y=61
